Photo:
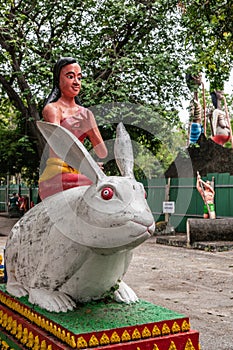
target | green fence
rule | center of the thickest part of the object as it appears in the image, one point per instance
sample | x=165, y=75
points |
x=6, y=192
x=188, y=202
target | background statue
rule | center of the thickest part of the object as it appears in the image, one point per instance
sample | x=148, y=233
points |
x=221, y=128
x=193, y=83
x=77, y=244
x=207, y=193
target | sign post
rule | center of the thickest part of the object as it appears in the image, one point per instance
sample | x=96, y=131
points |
x=168, y=209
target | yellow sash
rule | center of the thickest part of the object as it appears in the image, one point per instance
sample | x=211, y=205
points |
x=56, y=166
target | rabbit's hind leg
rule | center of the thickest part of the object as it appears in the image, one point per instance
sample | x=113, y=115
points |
x=53, y=301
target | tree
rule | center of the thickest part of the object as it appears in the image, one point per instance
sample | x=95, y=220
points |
x=18, y=154
x=130, y=51
x=113, y=40
x=155, y=140
x=208, y=33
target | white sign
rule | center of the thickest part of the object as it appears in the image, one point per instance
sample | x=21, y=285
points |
x=169, y=207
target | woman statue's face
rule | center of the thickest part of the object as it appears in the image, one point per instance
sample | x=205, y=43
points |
x=70, y=80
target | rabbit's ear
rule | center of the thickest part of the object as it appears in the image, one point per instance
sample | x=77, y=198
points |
x=124, y=152
x=71, y=150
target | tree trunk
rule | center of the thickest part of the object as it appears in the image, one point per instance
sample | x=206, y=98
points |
x=203, y=230
x=35, y=133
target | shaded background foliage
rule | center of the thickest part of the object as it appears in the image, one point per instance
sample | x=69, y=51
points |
x=209, y=30
x=130, y=51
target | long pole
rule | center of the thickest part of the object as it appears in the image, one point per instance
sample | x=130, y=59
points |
x=167, y=193
x=204, y=106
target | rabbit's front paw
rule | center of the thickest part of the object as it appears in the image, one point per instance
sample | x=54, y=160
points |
x=52, y=301
x=16, y=289
x=124, y=294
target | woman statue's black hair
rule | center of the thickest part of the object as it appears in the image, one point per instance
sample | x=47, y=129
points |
x=56, y=93
x=214, y=99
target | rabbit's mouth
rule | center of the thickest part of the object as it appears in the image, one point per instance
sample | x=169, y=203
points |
x=145, y=229
x=139, y=233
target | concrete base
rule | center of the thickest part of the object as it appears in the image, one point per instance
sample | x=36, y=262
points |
x=180, y=240
x=155, y=328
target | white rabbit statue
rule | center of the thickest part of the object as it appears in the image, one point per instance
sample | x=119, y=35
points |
x=76, y=245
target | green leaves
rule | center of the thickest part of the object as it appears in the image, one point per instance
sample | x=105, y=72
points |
x=209, y=30
x=130, y=51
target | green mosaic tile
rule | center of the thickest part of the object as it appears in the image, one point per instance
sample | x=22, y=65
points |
x=105, y=314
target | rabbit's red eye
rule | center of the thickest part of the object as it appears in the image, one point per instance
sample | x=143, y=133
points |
x=107, y=193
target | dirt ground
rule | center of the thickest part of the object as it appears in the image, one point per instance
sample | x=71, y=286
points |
x=195, y=283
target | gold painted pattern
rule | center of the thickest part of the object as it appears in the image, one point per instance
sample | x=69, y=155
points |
x=104, y=340
x=185, y=326
x=125, y=336
x=115, y=338
x=146, y=333
x=93, y=341
x=165, y=329
x=156, y=331
x=189, y=345
x=81, y=343
x=136, y=334
x=172, y=346
x=175, y=328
